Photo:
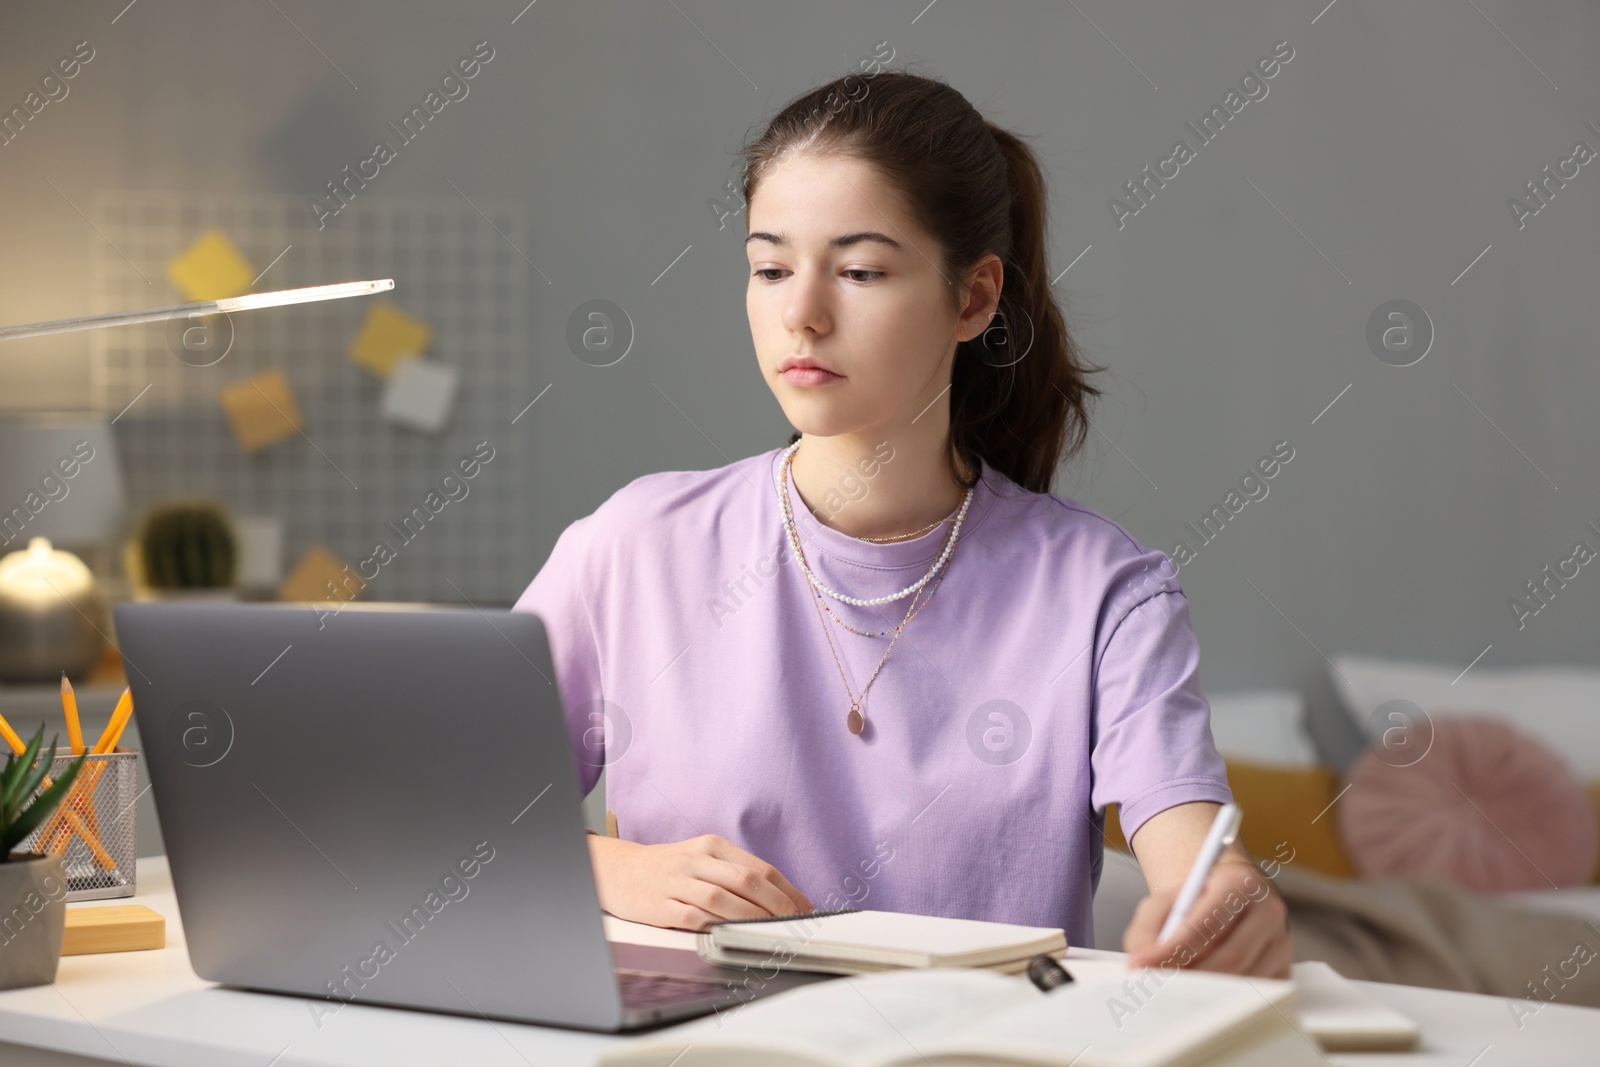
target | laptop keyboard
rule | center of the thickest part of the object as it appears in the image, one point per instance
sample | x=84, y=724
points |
x=649, y=989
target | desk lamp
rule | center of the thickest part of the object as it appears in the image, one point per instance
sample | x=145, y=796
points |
x=51, y=614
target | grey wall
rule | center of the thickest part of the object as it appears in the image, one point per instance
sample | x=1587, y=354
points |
x=1232, y=309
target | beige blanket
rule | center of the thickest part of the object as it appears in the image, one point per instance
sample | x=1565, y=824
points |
x=1430, y=933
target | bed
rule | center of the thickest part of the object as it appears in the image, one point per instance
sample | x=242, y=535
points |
x=1440, y=921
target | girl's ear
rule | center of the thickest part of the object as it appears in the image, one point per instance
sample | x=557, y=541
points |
x=979, y=298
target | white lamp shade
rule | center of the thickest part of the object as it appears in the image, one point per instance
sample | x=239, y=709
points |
x=60, y=477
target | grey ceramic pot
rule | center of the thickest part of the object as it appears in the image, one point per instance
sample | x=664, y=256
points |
x=33, y=918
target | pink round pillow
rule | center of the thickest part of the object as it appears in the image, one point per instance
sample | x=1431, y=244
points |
x=1486, y=808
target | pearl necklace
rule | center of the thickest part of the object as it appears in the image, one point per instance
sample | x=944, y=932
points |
x=816, y=583
x=880, y=633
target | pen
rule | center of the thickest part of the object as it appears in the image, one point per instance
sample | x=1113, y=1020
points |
x=1224, y=828
x=69, y=708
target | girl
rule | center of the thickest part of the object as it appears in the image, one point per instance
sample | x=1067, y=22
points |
x=884, y=666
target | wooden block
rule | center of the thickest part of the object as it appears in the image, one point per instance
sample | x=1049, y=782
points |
x=262, y=410
x=115, y=928
x=388, y=337
x=310, y=577
x=211, y=268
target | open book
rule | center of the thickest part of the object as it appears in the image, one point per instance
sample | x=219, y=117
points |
x=853, y=941
x=1108, y=1016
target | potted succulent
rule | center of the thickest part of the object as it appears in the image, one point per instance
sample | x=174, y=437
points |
x=33, y=885
x=185, y=550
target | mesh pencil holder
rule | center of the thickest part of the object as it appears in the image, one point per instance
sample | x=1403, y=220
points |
x=92, y=828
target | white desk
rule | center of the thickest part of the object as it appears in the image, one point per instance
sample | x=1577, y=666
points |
x=150, y=1008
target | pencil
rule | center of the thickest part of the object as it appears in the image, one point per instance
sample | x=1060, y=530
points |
x=60, y=836
x=119, y=719
x=69, y=815
x=69, y=708
x=11, y=737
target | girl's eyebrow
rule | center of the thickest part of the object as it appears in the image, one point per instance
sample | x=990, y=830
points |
x=842, y=241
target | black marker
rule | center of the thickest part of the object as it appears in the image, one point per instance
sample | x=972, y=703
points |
x=1047, y=974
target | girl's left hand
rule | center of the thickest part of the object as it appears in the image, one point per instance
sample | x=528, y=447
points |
x=1238, y=925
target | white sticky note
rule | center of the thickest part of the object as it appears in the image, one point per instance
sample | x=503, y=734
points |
x=260, y=551
x=419, y=394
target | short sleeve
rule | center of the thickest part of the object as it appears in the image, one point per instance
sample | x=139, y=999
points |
x=1152, y=726
x=559, y=596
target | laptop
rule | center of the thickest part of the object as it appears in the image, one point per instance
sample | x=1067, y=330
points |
x=381, y=807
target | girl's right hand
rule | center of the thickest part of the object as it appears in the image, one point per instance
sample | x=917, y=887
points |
x=689, y=884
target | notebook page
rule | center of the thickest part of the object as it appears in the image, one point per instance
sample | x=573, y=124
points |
x=870, y=1020
x=1098, y=1022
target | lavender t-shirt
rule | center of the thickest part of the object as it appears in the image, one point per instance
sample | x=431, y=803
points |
x=1053, y=673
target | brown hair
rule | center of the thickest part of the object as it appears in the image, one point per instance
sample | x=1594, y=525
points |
x=1019, y=401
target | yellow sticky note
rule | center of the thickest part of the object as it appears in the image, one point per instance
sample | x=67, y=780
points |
x=317, y=569
x=211, y=268
x=262, y=410
x=388, y=337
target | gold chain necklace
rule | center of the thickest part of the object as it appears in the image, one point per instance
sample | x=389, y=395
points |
x=908, y=536
x=856, y=721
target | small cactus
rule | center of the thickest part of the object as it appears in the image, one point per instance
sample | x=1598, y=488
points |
x=188, y=546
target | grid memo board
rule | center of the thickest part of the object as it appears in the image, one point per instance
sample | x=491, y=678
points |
x=351, y=471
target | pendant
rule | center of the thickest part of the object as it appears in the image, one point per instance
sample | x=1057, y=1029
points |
x=856, y=722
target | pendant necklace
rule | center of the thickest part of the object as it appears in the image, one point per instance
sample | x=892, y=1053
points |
x=855, y=721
